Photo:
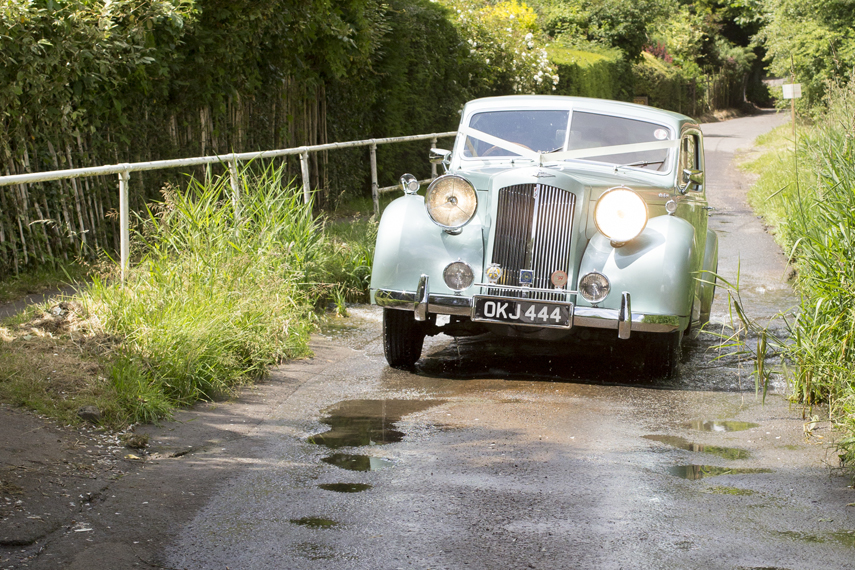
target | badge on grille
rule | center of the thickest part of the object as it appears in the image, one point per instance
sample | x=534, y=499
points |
x=559, y=278
x=526, y=277
x=493, y=273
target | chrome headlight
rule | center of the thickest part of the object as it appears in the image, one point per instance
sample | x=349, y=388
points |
x=458, y=276
x=451, y=201
x=620, y=214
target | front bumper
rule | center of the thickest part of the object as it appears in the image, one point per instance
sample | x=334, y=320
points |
x=423, y=302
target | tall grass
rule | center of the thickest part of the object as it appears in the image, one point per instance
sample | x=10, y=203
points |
x=220, y=290
x=810, y=196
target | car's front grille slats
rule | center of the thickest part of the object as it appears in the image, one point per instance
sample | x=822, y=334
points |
x=533, y=231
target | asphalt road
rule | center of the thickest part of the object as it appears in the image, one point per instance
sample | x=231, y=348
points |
x=493, y=455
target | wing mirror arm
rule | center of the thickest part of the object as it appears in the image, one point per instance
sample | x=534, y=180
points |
x=692, y=178
x=440, y=156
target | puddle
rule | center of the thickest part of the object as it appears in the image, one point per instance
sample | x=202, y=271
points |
x=721, y=425
x=682, y=443
x=355, y=423
x=345, y=487
x=358, y=462
x=315, y=522
x=695, y=472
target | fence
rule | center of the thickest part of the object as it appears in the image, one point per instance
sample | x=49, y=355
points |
x=231, y=160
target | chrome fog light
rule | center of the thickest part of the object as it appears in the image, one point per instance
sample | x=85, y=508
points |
x=594, y=287
x=458, y=276
x=410, y=184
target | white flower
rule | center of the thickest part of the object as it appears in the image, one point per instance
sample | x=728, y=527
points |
x=529, y=36
x=487, y=60
x=512, y=16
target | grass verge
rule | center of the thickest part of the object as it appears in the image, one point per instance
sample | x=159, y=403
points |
x=807, y=193
x=219, y=290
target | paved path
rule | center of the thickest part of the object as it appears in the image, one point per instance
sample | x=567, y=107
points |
x=488, y=456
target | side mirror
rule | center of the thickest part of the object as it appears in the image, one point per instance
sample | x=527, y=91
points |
x=692, y=179
x=440, y=156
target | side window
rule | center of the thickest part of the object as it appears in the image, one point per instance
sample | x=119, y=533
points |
x=689, y=153
x=690, y=158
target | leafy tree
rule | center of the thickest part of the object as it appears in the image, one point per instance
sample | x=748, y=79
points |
x=811, y=39
x=612, y=23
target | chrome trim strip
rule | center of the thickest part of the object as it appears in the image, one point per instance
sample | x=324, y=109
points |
x=525, y=289
x=592, y=317
x=438, y=304
x=595, y=317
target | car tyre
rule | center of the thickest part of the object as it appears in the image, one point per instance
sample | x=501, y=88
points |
x=662, y=354
x=403, y=338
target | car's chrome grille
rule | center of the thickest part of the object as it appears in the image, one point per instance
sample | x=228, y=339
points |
x=533, y=230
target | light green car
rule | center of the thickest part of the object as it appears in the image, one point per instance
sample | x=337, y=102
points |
x=561, y=219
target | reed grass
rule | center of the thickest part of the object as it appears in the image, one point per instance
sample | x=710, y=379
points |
x=808, y=194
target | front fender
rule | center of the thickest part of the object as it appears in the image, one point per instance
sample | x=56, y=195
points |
x=657, y=268
x=409, y=244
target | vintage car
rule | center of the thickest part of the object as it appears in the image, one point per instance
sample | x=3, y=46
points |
x=558, y=218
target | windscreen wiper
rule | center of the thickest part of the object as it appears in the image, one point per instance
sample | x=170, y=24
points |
x=640, y=164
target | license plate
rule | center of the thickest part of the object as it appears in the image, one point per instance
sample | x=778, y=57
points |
x=522, y=312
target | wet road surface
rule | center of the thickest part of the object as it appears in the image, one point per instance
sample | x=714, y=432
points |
x=490, y=454
x=493, y=454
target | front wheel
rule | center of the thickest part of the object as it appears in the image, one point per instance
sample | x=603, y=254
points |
x=661, y=353
x=403, y=338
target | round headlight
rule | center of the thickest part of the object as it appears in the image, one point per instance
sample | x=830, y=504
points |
x=451, y=201
x=594, y=287
x=458, y=276
x=620, y=214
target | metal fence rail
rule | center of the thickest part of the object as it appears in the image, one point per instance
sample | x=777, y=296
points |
x=231, y=160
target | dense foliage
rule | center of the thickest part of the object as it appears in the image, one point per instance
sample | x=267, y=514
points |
x=811, y=41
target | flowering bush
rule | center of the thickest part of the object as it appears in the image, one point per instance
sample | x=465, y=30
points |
x=505, y=39
x=659, y=50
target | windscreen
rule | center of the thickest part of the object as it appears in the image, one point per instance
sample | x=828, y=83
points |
x=591, y=131
x=539, y=131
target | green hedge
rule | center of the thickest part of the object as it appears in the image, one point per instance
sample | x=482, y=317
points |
x=588, y=74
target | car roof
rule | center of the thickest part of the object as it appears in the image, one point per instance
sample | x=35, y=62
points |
x=605, y=106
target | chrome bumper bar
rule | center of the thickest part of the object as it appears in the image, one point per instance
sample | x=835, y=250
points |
x=423, y=302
